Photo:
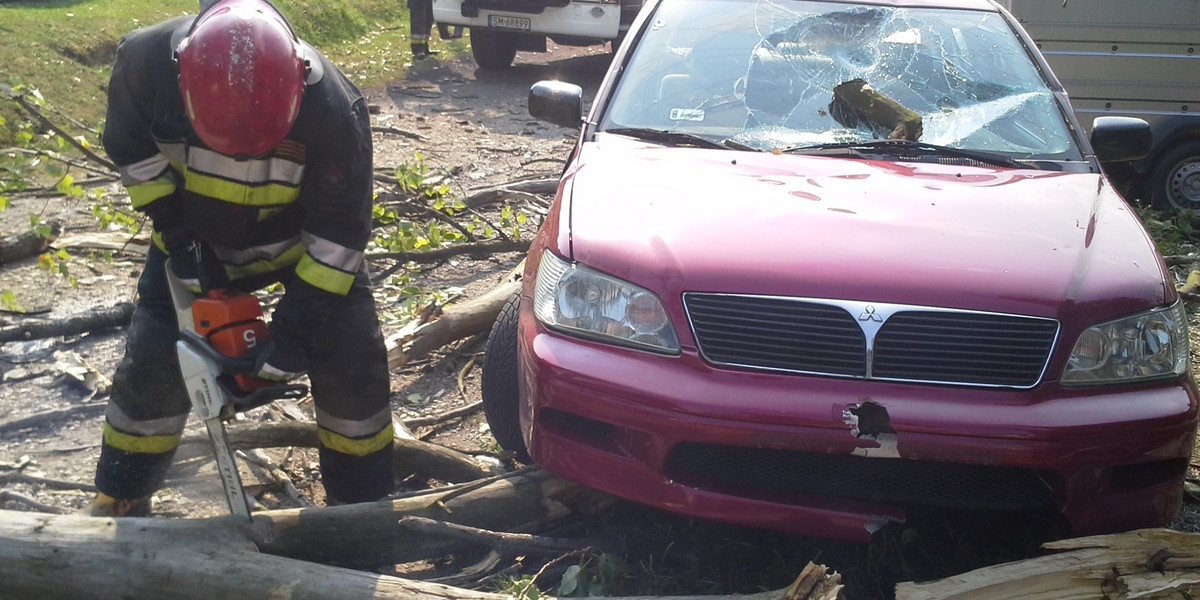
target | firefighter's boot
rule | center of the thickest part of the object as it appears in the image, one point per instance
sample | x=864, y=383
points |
x=104, y=505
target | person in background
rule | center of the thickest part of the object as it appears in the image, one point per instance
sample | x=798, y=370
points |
x=251, y=154
x=420, y=22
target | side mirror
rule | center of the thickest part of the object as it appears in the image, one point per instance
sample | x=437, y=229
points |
x=1120, y=138
x=557, y=102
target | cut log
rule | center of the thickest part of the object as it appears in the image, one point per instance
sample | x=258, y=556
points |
x=856, y=103
x=91, y=320
x=276, y=556
x=1145, y=564
x=66, y=557
x=368, y=535
x=27, y=244
x=457, y=321
x=408, y=455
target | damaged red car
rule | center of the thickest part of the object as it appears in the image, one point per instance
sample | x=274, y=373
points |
x=815, y=264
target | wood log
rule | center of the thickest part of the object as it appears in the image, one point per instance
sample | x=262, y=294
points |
x=856, y=103
x=368, y=535
x=1145, y=564
x=53, y=557
x=473, y=249
x=90, y=320
x=408, y=455
x=27, y=244
x=457, y=321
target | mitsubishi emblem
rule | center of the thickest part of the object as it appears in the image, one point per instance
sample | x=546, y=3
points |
x=868, y=314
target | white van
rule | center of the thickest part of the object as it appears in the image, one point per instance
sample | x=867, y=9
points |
x=501, y=27
x=1139, y=59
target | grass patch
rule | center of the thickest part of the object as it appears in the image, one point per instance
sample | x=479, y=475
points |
x=65, y=49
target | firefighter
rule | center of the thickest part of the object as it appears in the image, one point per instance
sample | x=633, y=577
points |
x=420, y=27
x=251, y=154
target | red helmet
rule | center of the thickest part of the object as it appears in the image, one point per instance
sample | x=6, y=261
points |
x=241, y=71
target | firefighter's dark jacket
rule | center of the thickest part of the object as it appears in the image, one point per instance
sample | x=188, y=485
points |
x=301, y=215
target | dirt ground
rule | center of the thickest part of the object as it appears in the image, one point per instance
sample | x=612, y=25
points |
x=474, y=127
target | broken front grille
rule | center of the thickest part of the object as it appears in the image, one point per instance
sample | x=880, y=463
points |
x=871, y=340
x=741, y=470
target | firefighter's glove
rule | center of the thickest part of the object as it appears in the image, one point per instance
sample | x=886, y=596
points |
x=197, y=266
x=186, y=271
x=280, y=361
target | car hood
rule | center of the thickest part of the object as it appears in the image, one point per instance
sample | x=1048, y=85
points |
x=1003, y=240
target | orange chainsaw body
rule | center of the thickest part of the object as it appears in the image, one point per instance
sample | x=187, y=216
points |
x=233, y=324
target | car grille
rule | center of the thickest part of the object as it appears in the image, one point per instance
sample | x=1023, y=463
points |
x=871, y=340
x=880, y=480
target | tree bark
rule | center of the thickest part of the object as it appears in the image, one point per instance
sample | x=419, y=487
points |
x=408, y=455
x=1145, y=564
x=856, y=102
x=24, y=245
x=456, y=322
x=91, y=320
x=67, y=556
x=368, y=535
x=53, y=557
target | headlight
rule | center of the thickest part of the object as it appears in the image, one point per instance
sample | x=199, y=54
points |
x=1145, y=346
x=576, y=299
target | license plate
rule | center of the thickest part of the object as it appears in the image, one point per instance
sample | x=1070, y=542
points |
x=506, y=22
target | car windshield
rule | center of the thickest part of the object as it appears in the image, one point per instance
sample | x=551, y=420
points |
x=795, y=75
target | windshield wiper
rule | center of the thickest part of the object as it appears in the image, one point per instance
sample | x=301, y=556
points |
x=673, y=138
x=908, y=147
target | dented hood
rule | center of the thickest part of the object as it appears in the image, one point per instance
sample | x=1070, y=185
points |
x=1004, y=240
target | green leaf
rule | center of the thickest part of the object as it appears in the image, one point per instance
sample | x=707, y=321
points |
x=570, y=581
x=8, y=299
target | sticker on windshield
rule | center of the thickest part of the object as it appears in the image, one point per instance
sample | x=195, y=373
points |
x=686, y=114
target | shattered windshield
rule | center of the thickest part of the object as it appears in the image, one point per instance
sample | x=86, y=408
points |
x=779, y=74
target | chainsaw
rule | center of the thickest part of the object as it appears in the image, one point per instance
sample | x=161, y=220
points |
x=219, y=332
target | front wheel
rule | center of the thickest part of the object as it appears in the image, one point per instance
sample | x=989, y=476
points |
x=1175, y=179
x=499, y=387
x=493, y=49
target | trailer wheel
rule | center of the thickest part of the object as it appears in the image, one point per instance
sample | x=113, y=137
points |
x=493, y=49
x=1175, y=179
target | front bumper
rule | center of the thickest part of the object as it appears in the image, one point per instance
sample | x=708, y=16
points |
x=839, y=458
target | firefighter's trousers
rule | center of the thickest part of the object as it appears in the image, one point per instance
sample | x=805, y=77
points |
x=348, y=376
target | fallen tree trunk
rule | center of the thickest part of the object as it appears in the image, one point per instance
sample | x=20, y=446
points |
x=54, y=557
x=276, y=556
x=91, y=320
x=408, y=455
x=24, y=245
x=1145, y=564
x=368, y=535
x=457, y=321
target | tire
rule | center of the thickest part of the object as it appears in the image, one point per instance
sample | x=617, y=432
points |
x=493, y=49
x=500, y=390
x=1175, y=179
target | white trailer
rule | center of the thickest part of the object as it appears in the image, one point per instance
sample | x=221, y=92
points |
x=501, y=27
x=1131, y=58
